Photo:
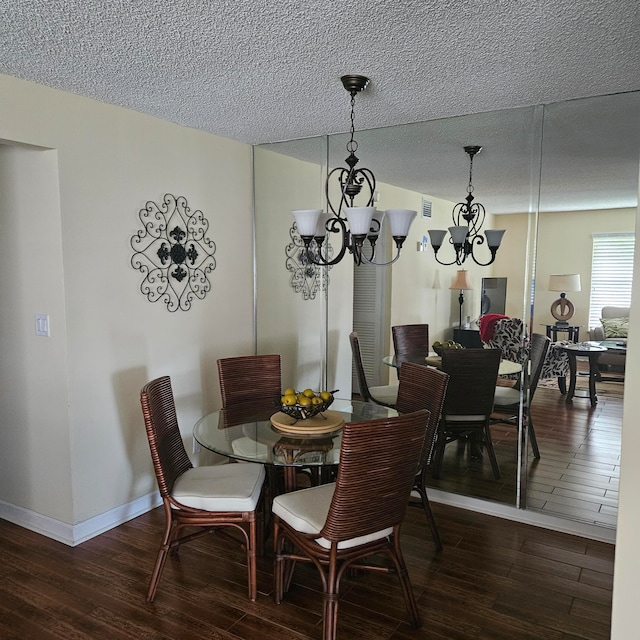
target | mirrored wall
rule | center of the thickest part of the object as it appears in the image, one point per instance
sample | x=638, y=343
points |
x=551, y=175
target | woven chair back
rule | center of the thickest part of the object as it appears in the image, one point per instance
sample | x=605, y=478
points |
x=378, y=462
x=363, y=386
x=539, y=347
x=170, y=459
x=410, y=340
x=472, y=380
x=423, y=387
x=250, y=379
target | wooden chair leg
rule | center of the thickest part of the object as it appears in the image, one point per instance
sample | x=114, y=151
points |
x=405, y=584
x=533, y=440
x=251, y=559
x=492, y=454
x=430, y=519
x=330, y=605
x=163, y=552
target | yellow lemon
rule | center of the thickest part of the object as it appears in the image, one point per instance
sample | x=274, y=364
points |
x=288, y=400
x=316, y=400
x=325, y=396
x=289, y=392
x=301, y=396
x=310, y=393
x=304, y=401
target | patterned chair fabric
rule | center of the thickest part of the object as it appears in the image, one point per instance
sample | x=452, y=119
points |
x=507, y=336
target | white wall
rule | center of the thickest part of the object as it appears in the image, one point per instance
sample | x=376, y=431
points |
x=72, y=213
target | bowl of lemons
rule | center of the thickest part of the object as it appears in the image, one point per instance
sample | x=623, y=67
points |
x=439, y=347
x=305, y=404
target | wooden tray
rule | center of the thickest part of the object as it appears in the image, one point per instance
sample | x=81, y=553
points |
x=324, y=422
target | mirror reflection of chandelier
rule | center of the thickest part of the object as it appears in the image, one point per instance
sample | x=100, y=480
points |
x=358, y=226
x=468, y=218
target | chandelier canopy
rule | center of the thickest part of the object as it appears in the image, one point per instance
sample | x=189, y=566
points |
x=468, y=218
x=359, y=226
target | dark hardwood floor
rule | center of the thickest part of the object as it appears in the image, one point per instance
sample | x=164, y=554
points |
x=495, y=580
x=578, y=471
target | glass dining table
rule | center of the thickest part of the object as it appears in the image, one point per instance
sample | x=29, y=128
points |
x=246, y=433
x=507, y=367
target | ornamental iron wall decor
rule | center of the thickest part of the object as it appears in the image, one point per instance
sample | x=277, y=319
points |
x=306, y=277
x=173, y=253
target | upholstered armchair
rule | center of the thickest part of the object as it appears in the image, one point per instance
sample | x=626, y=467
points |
x=614, y=327
x=507, y=336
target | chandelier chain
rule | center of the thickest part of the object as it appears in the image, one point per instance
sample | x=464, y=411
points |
x=352, y=145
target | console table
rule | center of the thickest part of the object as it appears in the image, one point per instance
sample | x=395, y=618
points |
x=468, y=338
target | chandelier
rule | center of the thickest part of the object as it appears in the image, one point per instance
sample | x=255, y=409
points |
x=359, y=226
x=468, y=218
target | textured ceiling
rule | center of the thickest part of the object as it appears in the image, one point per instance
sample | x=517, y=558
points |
x=263, y=71
x=268, y=70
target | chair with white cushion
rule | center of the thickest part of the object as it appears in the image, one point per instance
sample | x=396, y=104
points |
x=206, y=498
x=338, y=526
x=507, y=399
x=385, y=395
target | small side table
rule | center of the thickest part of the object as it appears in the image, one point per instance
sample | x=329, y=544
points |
x=589, y=350
x=573, y=333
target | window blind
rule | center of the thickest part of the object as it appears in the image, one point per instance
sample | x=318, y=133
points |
x=611, y=273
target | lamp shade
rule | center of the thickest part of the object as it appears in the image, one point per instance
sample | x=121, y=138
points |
x=400, y=220
x=359, y=219
x=306, y=220
x=461, y=281
x=565, y=282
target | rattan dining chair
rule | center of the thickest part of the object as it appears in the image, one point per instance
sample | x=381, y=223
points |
x=423, y=387
x=385, y=395
x=250, y=379
x=468, y=403
x=207, y=498
x=506, y=400
x=337, y=526
x=410, y=341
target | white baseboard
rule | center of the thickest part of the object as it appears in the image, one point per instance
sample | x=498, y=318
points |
x=73, y=535
x=526, y=516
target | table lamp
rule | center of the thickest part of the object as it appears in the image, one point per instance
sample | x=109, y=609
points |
x=562, y=309
x=462, y=283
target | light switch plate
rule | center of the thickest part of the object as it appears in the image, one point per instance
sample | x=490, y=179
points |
x=42, y=325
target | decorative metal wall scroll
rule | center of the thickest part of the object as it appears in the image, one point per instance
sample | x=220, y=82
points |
x=173, y=253
x=306, y=277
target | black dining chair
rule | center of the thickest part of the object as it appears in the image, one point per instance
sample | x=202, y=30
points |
x=468, y=403
x=506, y=400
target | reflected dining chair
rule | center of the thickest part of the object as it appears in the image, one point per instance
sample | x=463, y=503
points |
x=207, y=498
x=337, y=526
x=468, y=403
x=423, y=387
x=385, y=395
x=410, y=341
x=250, y=379
x=506, y=400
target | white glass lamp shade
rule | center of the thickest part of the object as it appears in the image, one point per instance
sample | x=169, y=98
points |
x=321, y=225
x=376, y=226
x=400, y=221
x=306, y=220
x=437, y=237
x=359, y=219
x=494, y=237
x=458, y=234
x=565, y=282
x=461, y=281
